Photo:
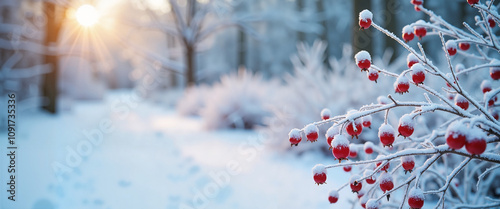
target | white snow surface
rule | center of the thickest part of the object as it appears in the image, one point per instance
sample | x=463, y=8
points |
x=451, y=44
x=319, y=169
x=411, y=57
x=460, y=98
x=407, y=29
x=385, y=177
x=294, y=133
x=372, y=204
x=485, y=84
x=311, y=128
x=409, y=158
x=334, y=193
x=362, y=55
x=326, y=112
x=417, y=67
x=386, y=128
x=416, y=193
x=354, y=178
x=407, y=120
x=332, y=131
x=365, y=14
x=340, y=140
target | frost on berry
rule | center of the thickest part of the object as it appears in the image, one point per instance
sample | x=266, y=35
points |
x=368, y=147
x=355, y=184
x=372, y=204
x=464, y=46
x=402, y=84
x=340, y=147
x=363, y=60
x=386, y=182
x=406, y=125
x=417, y=73
x=408, y=163
x=311, y=132
x=419, y=30
x=491, y=21
x=416, y=198
x=461, y=101
x=485, y=86
x=333, y=196
x=451, y=47
x=353, y=152
x=354, y=128
x=347, y=168
x=408, y=33
x=386, y=166
x=459, y=67
x=330, y=135
x=319, y=174
x=365, y=19
x=386, y=134
x=495, y=72
x=369, y=180
x=383, y=100
x=476, y=141
x=372, y=75
x=367, y=121
x=411, y=59
x=326, y=114
x=294, y=136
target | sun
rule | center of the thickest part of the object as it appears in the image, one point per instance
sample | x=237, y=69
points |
x=87, y=15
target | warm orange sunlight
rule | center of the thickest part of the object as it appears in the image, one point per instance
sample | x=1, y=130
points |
x=87, y=15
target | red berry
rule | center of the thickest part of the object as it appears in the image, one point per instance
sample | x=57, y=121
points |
x=386, y=182
x=369, y=180
x=408, y=33
x=451, y=47
x=464, y=46
x=386, y=134
x=476, y=142
x=416, y=198
x=495, y=73
x=417, y=8
x=350, y=128
x=365, y=19
x=372, y=75
x=368, y=147
x=416, y=2
x=461, y=101
x=471, y=2
x=408, y=163
x=385, y=167
x=363, y=59
x=325, y=114
x=372, y=204
x=485, y=86
x=355, y=184
x=340, y=146
x=311, y=132
x=330, y=135
x=333, y=197
x=406, y=125
x=491, y=22
x=411, y=59
x=418, y=73
x=401, y=85
x=294, y=137
x=319, y=174
x=455, y=135
x=347, y=168
x=367, y=121
x=352, y=152
x=420, y=31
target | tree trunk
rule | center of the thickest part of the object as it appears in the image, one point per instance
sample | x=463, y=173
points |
x=50, y=80
x=190, y=66
x=390, y=23
x=361, y=39
x=300, y=7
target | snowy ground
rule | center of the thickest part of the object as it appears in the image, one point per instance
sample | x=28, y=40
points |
x=151, y=158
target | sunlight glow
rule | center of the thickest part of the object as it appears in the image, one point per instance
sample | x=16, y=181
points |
x=87, y=15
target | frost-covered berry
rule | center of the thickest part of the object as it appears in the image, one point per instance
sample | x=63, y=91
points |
x=353, y=152
x=408, y=33
x=450, y=96
x=411, y=59
x=326, y=114
x=333, y=196
x=494, y=113
x=386, y=134
x=420, y=31
x=294, y=136
x=461, y=101
x=416, y=198
x=354, y=183
x=372, y=75
x=365, y=19
x=418, y=73
x=386, y=182
x=471, y=2
x=355, y=128
x=363, y=59
x=485, y=86
x=311, y=132
x=417, y=2
x=383, y=100
x=367, y=121
x=451, y=47
x=401, y=85
x=371, y=179
x=495, y=73
x=491, y=22
x=340, y=147
x=347, y=168
x=476, y=142
x=459, y=67
x=408, y=163
x=368, y=147
x=372, y=204
x=456, y=135
x=464, y=46
x=406, y=125
x=330, y=134
x=386, y=165
x=319, y=174
x=363, y=201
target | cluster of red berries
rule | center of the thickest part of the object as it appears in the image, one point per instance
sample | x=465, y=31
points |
x=459, y=135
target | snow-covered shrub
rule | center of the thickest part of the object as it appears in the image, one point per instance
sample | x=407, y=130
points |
x=451, y=163
x=239, y=100
x=312, y=87
x=193, y=100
